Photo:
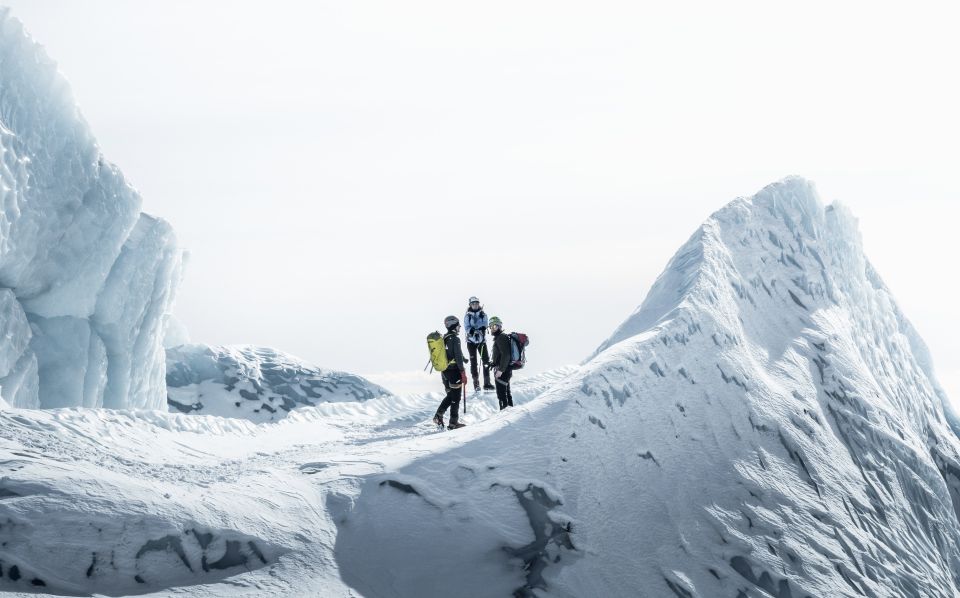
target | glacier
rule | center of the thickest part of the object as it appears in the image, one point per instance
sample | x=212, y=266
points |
x=91, y=276
x=256, y=383
x=766, y=423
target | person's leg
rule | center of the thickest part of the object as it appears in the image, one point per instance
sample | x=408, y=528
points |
x=507, y=375
x=472, y=349
x=485, y=358
x=502, y=393
x=454, y=397
x=438, y=417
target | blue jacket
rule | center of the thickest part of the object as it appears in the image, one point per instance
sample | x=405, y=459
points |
x=475, y=323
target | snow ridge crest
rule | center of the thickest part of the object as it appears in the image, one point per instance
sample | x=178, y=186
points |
x=770, y=379
x=695, y=270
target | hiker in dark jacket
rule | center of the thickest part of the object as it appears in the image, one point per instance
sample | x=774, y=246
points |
x=454, y=377
x=475, y=322
x=500, y=362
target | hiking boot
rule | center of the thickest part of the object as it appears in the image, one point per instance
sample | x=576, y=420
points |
x=438, y=419
x=476, y=386
x=489, y=386
x=455, y=425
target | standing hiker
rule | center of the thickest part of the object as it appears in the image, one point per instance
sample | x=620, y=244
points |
x=454, y=377
x=501, y=362
x=475, y=321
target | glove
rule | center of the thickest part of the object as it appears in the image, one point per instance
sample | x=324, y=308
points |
x=463, y=377
x=498, y=374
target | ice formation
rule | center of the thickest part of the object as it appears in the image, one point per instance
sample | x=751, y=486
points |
x=766, y=424
x=256, y=383
x=91, y=274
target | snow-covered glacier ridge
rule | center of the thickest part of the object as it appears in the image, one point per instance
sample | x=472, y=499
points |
x=766, y=424
x=86, y=279
x=255, y=383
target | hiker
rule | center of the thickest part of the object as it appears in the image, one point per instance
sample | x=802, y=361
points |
x=454, y=377
x=502, y=358
x=475, y=321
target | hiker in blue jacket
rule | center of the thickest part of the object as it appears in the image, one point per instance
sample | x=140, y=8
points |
x=475, y=321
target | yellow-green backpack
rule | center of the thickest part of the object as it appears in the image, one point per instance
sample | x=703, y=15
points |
x=438, y=351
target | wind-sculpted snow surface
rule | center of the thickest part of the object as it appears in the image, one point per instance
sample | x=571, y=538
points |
x=767, y=424
x=93, y=276
x=785, y=418
x=256, y=383
x=125, y=502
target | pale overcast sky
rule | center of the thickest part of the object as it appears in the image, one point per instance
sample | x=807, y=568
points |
x=346, y=174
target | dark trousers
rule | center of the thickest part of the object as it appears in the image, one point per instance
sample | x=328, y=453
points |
x=503, y=389
x=481, y=349
x=451, y=383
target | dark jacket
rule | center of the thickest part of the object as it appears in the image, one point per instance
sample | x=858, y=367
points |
x=454, y=353
x=502, y=351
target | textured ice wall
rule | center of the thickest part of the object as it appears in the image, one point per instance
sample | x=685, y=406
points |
x=255, y=383
x=92, y=275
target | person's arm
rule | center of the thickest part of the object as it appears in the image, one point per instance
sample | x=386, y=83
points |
x=458, y=353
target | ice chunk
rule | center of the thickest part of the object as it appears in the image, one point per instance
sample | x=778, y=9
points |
x=71, y=362
x=14, y=331
x=66, y=212
x=131, y=315
x=256, y=383
x=94, y=276
x=18, y=364
x=21, y=387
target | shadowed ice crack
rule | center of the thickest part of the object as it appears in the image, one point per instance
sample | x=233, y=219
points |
x=552, y=539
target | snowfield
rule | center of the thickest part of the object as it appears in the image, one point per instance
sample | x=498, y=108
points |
x=119, y=502
x=766, y=424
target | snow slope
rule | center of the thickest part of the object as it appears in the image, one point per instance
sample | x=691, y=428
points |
x=766, y=424
x=256, y=383
x=86, y=279
x=127, y=502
